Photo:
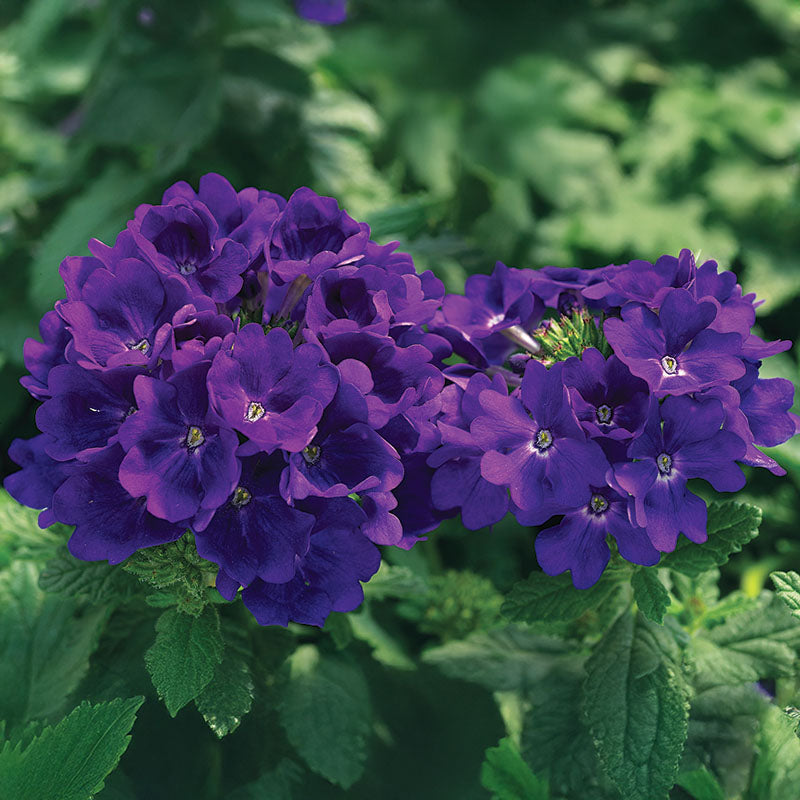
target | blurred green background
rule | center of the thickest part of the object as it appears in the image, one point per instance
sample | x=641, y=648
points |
x=567, y=132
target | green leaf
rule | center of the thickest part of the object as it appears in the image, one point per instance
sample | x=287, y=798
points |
x=787, y=586
x=650, y=594
x=45, y=644
x=636, y=705
x=701, y=785
x=99, y=582
x=748, y=646
x=501, y=659
x=183, y=659
x=99, y=210
x=71, y=760
x=776, y=772
x=229, y=695
x=275, y=784
x=394, y=582
x=508, y=777
x=325, y=711
x=730, y=526
x=20, y=534
x=555, y=739
x=541, y=597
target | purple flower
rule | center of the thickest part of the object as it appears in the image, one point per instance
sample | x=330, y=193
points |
x=109, y=523
x=41, y=475
x=608, y=401
x=180, y=454
x=691, y=445
x=256, y=534
x=578, y=542
x=326, y=12
x=41, y=357
x=181, y=239
x=675, y=352
x=534, y=443
x=270, y=392
x=328, y=576
x=457, y=481
x=392, y=378
x=85, y=410
x=126, y=317
x=345, y=456
x=313, y=234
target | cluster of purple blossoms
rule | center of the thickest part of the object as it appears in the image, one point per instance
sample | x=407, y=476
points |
x=603, y=439
x=251, y=369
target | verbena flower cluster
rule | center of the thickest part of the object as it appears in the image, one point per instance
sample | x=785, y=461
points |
x=253, y=369
x=262, y=373
x=643, y=377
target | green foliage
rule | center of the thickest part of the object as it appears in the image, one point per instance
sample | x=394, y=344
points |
x=776, y=772
x=651, y=596
x=730, y=526
x=45, y=644
x=21, y=538
x=229, y=695
x=508, y=777
x=275, y=784
x=701, y=785
x=543, y=598
x=325, y=710
x=98, y=582
x=637, y=707
x=69, y=761
x=787, y=586
x=569, y=335
x=183, y=659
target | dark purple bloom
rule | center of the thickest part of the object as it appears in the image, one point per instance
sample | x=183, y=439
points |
x=326, y=12
x=180, y=454
x=735, y=313
x=85, y=410
x=675, y=352
x=256, y=534
x=36, y=483
x=245, y=217
x=182, y=239
x=270, y=392
x=608, y=401
x=535, y=445
x=392, y=378
x=494, y=303
x=561, y=287
x=328, y=576
x=578, y=542
x=313, y=234
x=109, y=523
x=691, y=445
x=127, y=317
x=41, y=357
x=345, y=456
x=643, y=282
x=457, y=481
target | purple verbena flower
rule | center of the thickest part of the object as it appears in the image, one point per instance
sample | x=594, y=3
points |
x=675, y=352
x=690, y=445
x=326, y=12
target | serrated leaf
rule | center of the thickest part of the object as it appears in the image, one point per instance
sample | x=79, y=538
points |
x=67, y=575
x=501, y=659
x=556, y=741
x=701, y=785
x=650, y=594
x=229, y=695
x=508, y=777
x=385, y=648
x=730, y=526
x=325, y=711
x=542, y=597
x=183, y=659
x=45, y=644
x=636, y=705
x=776, y=772
x=787, y=587
x=70, y=760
